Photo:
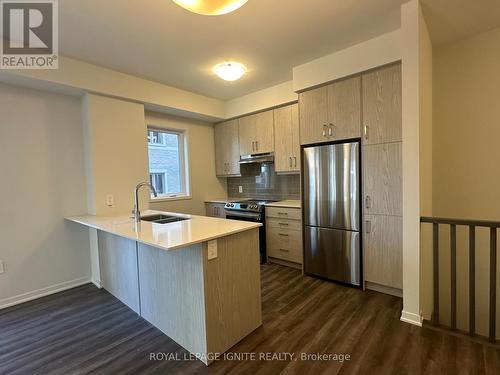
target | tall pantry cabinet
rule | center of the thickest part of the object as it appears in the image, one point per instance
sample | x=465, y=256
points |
x=382, y=178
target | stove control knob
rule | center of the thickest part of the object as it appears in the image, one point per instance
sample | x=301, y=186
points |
x=232, y=204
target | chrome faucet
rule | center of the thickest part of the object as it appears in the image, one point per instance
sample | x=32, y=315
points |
x=136, y=212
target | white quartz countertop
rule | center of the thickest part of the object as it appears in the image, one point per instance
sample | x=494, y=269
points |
x=290, y=203
x=169, y=236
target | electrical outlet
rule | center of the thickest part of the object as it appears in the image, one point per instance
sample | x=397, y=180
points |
x=110, y=200
x=2, y=267
x=240, y=189
x=212, y=249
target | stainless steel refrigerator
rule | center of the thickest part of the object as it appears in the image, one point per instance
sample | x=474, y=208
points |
x=331, y=189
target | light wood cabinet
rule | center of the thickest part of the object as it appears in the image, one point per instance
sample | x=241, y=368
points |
x=227, y=150
x=286, y=139
x=313, y=115
x=382, y=178
x=284, y=236
x=382, y=117
x=332, y=112
x=256, y=133
x=383, y=170
x=215, y=210
x=383, y=241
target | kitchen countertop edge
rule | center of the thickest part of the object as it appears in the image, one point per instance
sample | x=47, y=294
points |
x=82, y=221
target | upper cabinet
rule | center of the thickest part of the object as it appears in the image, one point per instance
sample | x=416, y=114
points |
x=331, y=112
x=286, y=139
x=256, y=133
x=227, y=150
x=382, y=117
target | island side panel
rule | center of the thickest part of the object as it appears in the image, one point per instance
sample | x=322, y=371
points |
x=232, y=290
x=172, y=295
x=118, y=266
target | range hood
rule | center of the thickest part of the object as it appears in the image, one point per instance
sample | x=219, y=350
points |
x=266, y=158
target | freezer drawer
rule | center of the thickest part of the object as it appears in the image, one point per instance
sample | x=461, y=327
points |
x=333, y=254
x=331, y=186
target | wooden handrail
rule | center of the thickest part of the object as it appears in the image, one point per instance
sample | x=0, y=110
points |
x=467, y=222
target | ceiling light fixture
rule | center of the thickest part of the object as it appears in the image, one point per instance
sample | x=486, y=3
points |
x=211, y=7
x=230, y=71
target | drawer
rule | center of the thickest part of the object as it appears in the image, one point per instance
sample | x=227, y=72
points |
x=284, y=213
x=273, y=222
x=285, y=244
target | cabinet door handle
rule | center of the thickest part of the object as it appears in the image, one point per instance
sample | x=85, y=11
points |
x=256, y=145
x=330, y=130
x=290, y=161
x=285, y=224
x=283, y=234
x=324, y=130
x=285, y=250
x=283, y=213
x=253, y=146
x=365, y=132
x=295, y=158
x=368, y=226
x=368, y=202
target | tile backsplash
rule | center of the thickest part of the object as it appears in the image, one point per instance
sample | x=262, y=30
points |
x=262, y=182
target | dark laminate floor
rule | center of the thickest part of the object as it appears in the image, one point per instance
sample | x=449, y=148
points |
x=87, y=331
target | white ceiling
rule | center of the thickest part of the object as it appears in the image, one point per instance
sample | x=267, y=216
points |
x=450, y=20
x=158, y=40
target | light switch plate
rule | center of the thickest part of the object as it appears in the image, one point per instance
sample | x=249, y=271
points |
x=2, y=268
x=240, y=189
x=110, y=200
x=212, y=249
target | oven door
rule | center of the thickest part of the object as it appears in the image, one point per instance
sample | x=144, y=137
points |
x=243, y=216
x=255, y=218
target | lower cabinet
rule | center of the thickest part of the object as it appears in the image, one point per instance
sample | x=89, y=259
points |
x=215, y=210
x=284, y=236
x=383, y=244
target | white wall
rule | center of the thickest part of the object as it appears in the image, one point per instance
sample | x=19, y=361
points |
x=417, y=120
x=370, y=54
x=43, y=180
x=466, y=180
x=201, y=154
x=262, y=99
x=96, y=79
x=116, y=153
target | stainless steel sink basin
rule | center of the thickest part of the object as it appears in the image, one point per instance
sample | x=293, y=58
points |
x=163, y=219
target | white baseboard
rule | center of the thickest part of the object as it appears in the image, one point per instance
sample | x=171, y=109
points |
x=97, y=283
x=25, y=297
x=412, y=318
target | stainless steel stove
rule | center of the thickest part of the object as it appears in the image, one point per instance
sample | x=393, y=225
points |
x=250, y=210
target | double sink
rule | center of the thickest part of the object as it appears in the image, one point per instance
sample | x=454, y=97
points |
x=163, y=219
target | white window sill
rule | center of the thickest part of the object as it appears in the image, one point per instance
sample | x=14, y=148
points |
x=169, y=199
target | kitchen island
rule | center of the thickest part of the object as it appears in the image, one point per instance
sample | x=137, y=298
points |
x=197, y=280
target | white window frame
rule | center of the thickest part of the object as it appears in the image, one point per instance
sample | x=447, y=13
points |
x=183, y=160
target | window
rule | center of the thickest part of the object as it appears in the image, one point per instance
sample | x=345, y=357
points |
x=167, y=163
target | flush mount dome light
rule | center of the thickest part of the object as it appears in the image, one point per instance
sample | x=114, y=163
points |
x=230, y=71
x=211, y=7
